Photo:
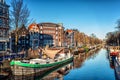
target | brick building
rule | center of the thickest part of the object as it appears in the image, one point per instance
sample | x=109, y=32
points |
x=54, y=30
x=37, y=35
x=39, y=38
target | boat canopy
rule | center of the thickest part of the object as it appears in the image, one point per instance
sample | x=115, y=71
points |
x=51, y=53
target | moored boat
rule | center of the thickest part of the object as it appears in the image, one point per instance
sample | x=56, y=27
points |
x=114, y=50
x=117, y=66
x=29, y=67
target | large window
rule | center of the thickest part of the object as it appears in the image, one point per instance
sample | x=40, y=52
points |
x=2, y=47
x=56, y=28
x=41, y=37
x=48, y=42
x=40, y=31
x=1, y=22
x=40, y=27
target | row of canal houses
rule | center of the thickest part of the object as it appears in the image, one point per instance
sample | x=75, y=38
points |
x=34, y=35
x=40, y=35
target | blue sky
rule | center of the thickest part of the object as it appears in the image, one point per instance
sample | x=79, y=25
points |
x=88, y=16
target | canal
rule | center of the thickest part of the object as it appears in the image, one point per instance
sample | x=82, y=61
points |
x=96, y=67
x=87, y=66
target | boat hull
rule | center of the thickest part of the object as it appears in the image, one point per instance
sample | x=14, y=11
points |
x=18, y=70
x=23, y=70
x=114, y=53
x=117, y=69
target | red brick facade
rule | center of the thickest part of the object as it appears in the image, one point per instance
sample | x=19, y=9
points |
x=55, y=30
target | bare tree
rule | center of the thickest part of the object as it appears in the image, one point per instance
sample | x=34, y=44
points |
x=117, y=33
x=118, y=25
x=19, y=13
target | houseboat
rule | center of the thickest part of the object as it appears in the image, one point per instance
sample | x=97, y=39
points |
x=37, y=65
x=117, y=66
x=114, y=50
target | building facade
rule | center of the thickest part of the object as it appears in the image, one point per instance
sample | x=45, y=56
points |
x=69, y=38
x=22, y=42
x=38, y=37
x=4, y=25
x=53, y=34
x=35, y=36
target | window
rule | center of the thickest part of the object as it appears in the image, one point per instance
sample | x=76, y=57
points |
x=56, y=37
x=56, y=28
x=26, y=37
x=27, y=41
x=40, y=27
x=56, y=32
x=1, y=22
x=19, y=41
x=40, y=31
x=41, y=36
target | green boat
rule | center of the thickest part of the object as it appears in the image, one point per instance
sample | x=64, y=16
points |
x=29, y=67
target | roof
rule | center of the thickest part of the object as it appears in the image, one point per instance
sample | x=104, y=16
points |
x=49, y=24
x=33, y=27
x=69, y=31
x=21, y=31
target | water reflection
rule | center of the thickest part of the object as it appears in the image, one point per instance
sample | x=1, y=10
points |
x=114, y=65
x=81, y=57
x=58, y=74
x=77, y=63
x=52, y=74
x=91, y=64
x=95, y=66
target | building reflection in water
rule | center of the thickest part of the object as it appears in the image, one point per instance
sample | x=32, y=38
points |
x=81, y=57
x=55, y=73
x=111, y=63
x=58, y=73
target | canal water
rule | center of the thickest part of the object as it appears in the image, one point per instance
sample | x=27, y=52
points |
x=86, y=66
x=96, y=67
